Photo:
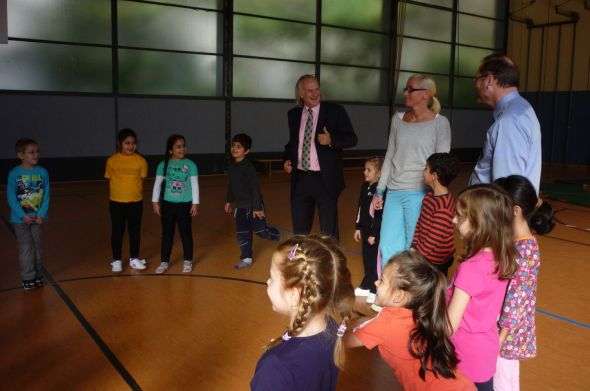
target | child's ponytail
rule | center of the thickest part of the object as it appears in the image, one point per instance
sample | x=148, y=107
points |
x=430, y=341
x=539, y=214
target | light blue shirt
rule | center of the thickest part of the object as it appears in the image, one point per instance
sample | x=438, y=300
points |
x=513, y=143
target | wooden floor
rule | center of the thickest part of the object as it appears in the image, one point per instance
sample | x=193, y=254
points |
x=91, y=330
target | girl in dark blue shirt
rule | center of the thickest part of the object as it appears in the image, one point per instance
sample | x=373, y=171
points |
x=309, y=282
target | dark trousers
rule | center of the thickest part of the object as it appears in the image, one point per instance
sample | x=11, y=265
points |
x=369, y=262
x=485, y=386
x=310, y=191
x=444, y=267
x=125, y=213
x=246, y=224
x=172, y=214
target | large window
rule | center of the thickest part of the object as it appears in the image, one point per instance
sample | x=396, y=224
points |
x=449, y=53
x=176, y=47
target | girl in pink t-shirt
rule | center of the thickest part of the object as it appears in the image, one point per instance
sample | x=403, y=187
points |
x=476, y=293
x=517, y=322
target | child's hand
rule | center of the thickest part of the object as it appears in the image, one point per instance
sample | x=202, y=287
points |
x=258, y=213
x=371, y=240
x=227, y=207
x=357, y=235
x=29, y=219
x=39, y=220
x=378, y=202
x=287, y=166
x=156, y=208
x=194, y=210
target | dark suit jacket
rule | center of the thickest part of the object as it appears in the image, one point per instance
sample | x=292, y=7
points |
x=335, y=119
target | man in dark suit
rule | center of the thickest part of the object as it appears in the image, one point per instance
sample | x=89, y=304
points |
x=313, y=156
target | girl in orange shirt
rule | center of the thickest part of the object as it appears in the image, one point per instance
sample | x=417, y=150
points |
x=412, y=329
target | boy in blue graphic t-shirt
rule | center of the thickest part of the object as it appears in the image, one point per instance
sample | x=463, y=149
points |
x=28, y=197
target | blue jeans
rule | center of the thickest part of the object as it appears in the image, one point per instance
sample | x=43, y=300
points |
x=400, y=214
x=246, y=224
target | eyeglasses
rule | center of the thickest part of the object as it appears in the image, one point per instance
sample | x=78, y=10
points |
x=409, y=90
x=476, y=78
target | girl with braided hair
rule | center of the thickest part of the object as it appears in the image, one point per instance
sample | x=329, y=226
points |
x=309, y=282
x=412, y=331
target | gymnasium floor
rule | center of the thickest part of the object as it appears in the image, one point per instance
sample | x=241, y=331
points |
x=88, y=329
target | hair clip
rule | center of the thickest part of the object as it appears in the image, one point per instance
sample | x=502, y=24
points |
x=292, y=251
x=286, y=336
x=341, y=330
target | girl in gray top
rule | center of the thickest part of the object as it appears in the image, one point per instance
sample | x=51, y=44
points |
x=414, y=135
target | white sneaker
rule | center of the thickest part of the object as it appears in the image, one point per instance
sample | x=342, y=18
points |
x=162, y=268
x=371, y=298
x=117, y=266
x=137, y=264
x=187, y=266
x=376, y=308
x=360, y=292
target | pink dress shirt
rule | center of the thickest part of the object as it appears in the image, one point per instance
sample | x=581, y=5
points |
x=314, y=164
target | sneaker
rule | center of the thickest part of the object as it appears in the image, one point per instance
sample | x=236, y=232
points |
x=117, y=266
x=39, y=282
x=371, y=298
x=376, y=308
x=137, y=264
x=360, y=292
x=29, y=285
x=187, y=266
x=162, y=268
x=243, y=264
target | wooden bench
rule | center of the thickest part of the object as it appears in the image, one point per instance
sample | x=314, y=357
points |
x=268, y=162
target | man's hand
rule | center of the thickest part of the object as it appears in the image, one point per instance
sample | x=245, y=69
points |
x=227, y=207
x=324, y=138
x=357, y=235
x=258, y=214
x=287, y=166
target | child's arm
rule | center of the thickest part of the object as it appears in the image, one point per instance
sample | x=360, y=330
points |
x=44, y=207
x=255, y=191
x=350, y=340
x=377, y=218
x=503, y=334
x=195, y=195
x=457, y=308
x=156, y=194
x=437, y=236
x=15, y=206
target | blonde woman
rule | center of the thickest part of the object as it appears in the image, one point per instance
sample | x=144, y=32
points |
x=414, y=136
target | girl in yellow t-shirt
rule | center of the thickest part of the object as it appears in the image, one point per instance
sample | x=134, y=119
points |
x=126, y=171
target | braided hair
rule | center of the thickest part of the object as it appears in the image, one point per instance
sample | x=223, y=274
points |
x=315, y=265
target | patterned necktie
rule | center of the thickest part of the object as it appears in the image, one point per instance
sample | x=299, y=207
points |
x=305, y=151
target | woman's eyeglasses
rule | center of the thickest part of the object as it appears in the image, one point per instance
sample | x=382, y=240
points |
x=409, y=90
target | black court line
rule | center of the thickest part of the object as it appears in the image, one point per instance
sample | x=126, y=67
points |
x=86, y=325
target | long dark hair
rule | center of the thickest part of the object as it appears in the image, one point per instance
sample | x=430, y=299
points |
x=169, y=144
x=430, y=340
x=539, y=216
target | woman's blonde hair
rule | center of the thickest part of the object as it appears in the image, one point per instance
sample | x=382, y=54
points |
x=428, y=83
x=489, y=211
x=317, y=266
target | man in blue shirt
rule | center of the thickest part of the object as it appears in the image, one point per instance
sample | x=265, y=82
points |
x=513, y=142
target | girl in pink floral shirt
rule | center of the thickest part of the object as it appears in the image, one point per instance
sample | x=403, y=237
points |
x=517, y=320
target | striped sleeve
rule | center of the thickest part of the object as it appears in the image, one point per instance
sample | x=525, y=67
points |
x=435, y=241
